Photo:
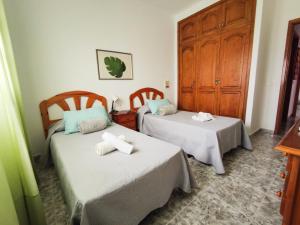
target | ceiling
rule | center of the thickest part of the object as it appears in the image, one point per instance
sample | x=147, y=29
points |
x=171, y=6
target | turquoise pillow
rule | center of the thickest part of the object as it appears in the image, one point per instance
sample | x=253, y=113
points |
x=155, y=104
x=73, y=118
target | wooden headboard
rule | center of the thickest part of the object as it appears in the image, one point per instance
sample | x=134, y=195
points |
x=60, y=100
x=140, y=95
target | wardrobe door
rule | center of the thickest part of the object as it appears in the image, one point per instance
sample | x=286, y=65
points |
x=187, y=29
x=234, y=57
x=187, y=59
x=209, y=22
x=237, y=13
x=208, y=51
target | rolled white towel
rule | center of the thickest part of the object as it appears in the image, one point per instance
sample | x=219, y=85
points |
x=194, y=117
x=121, y=145
x=106, y=147
x=207, y=116
x=201, y=116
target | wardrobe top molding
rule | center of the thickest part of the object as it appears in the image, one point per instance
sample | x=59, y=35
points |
x=219, y=17
x=221, y=2
x=201, y=11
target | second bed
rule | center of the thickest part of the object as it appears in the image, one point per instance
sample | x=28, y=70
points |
x=206, y=141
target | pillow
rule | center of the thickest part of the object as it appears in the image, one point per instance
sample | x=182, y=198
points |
x=73, y=118
x=155, y=104
x=144, y=109
x=93, y=125
x=57, y=127
x=167, y=110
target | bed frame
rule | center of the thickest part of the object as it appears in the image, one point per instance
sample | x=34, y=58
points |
x=140, y=95
x=60, y=100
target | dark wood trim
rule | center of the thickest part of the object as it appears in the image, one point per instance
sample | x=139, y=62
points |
x=297, y=78
x=178, y=65
x=285, y=73
x=290, y=142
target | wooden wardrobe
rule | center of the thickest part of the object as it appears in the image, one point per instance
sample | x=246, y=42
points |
x=214, y=57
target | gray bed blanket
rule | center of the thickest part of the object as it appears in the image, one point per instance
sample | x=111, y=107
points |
x=206, y=141
x=117, y=188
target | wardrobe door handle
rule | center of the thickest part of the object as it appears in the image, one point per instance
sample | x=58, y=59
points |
x=193, y=85
x=217, y=82
x=221, y=25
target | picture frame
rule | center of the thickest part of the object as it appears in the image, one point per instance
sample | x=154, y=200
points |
x=113, y=65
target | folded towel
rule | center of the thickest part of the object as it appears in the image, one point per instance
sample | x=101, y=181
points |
x=206, y=116
x=121, y=145
x=202, y=117
x=106, y=147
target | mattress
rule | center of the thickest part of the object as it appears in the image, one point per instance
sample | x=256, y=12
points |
x=117, y=188
x=206, y=141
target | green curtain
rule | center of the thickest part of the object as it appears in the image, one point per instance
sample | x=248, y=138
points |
x=20, y=202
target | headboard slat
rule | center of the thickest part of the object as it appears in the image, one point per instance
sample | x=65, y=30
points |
x=148, y=95
x=64, y=105
x=77, y=101
x=139, y=94
x=90, y=102
x=60, y=100
x=141, y=99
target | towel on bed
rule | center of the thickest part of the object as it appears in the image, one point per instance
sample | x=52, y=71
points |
x=203, y=117
x=106, y=147
x=119, y=144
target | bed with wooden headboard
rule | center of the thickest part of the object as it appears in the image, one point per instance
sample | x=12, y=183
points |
x=103, y=189
x=142, y=94
x=206, y=141
x=61, y=101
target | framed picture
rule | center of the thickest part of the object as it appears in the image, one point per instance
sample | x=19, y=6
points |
x=114, y=65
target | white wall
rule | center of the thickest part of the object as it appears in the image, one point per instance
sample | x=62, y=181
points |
x=258, y=84
x=252, y=86
x=55, y=41
x=276, y=14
